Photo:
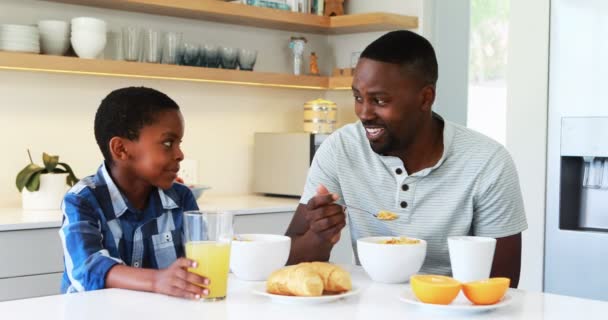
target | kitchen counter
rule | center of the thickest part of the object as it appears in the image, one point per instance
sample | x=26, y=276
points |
x=18, y=219
x=375, y=301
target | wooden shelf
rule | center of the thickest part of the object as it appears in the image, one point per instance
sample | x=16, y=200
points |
x=239, y=14
x=73, y=65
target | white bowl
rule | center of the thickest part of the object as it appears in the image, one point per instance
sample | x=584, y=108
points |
x=54, y=46
x=390, y=263
x=88, y=22
x=198, y=189
x=255, y=258
x=88, y=47
x=54, y=27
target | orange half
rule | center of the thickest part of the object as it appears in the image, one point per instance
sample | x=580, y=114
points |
x=435, y=289
x=486, y=292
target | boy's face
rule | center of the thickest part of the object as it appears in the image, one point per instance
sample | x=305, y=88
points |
x=156, y=155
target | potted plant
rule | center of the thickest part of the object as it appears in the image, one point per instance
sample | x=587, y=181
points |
x=43, y=187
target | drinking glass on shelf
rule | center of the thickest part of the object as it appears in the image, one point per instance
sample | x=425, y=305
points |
x=212, y=55
x=171, y=43
x=189, y=54
x=152, y=47
x=131, y=43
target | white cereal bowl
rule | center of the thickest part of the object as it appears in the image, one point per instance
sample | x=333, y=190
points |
x=88, y=47
x=258, y=255
x=390, y=263
x=88, y=23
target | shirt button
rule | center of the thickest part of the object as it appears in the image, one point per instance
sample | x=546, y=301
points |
x=136, y=264
x=398, y=171
x=403, y=204
x=405, y=187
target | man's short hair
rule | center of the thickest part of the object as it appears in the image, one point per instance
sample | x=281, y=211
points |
x=411, y=51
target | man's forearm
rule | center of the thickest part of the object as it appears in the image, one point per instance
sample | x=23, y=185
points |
x=308, y=247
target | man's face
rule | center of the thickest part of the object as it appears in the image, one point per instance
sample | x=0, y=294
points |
x=156, y=155
x=390, y=104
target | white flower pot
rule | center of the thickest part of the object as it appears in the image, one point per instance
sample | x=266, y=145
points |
x=49, y=196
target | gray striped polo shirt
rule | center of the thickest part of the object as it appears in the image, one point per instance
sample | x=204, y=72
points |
x=472, y=190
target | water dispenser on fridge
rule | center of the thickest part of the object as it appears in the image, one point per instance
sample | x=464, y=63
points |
x=584, y=174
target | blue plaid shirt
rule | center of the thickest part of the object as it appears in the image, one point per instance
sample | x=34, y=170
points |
x=101, y=229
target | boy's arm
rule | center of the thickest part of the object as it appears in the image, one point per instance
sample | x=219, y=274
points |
x=174, y=281
x=86, y=260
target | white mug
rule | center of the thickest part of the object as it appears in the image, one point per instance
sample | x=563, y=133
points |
x=471, y=257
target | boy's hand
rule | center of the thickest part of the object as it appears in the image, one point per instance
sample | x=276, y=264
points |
x=178, y=282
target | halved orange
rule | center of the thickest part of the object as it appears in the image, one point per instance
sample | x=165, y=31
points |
x=435, y=289
x=486, y=292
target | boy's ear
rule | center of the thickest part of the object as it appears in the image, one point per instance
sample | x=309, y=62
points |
x=118, y=148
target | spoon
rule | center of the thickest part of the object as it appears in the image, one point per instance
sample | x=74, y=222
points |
x=376, y=215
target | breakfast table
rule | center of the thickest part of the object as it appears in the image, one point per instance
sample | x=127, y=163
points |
x=373, y=301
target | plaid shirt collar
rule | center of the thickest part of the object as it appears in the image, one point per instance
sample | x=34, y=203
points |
x=119, y=201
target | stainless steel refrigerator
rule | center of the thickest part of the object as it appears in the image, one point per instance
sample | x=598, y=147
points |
x=576, y=241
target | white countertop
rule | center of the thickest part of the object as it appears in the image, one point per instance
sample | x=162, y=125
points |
x=375, y=301
x=18, y=219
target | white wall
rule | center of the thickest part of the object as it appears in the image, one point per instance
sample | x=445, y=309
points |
x=527, y=85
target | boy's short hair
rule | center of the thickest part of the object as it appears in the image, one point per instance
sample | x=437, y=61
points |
x=411, y=51
x=124, y=112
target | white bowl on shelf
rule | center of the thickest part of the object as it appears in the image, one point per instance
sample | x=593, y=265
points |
x=88, y=45
x=88, y=24
x=54, y=45
x=56, y=28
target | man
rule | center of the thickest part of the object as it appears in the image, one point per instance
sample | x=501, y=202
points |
x=440, y=178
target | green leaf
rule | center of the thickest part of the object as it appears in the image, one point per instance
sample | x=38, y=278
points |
x=50, y=162
x=71, y=180
x=34, y=183
x=25, y=175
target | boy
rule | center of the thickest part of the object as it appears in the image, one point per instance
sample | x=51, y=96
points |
x=122, y=227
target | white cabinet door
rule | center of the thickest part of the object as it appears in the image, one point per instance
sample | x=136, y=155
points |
x=30, y=286
x=30, y=252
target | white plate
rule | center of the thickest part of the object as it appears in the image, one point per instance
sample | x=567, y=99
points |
x=460, y=304
x=261, y=290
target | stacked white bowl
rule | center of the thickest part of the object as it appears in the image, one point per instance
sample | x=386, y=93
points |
x=88, y=36
x=54, y=37
x=19, y=38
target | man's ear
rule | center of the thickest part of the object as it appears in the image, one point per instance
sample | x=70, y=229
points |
x=119, y=148
x=428, y=97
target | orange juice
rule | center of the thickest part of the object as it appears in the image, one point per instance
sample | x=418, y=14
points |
x=213, y=260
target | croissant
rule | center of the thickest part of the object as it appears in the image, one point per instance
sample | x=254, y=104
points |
x=309, y=279
x=335, y=279
x=296, y=280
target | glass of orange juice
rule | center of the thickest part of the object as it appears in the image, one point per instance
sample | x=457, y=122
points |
x=208, y=238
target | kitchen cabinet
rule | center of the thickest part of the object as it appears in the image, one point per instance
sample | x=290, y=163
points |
x=31, y=263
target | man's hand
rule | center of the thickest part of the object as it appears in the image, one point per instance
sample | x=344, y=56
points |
x=315, y=228
x=325, y=218
x=178, y=282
